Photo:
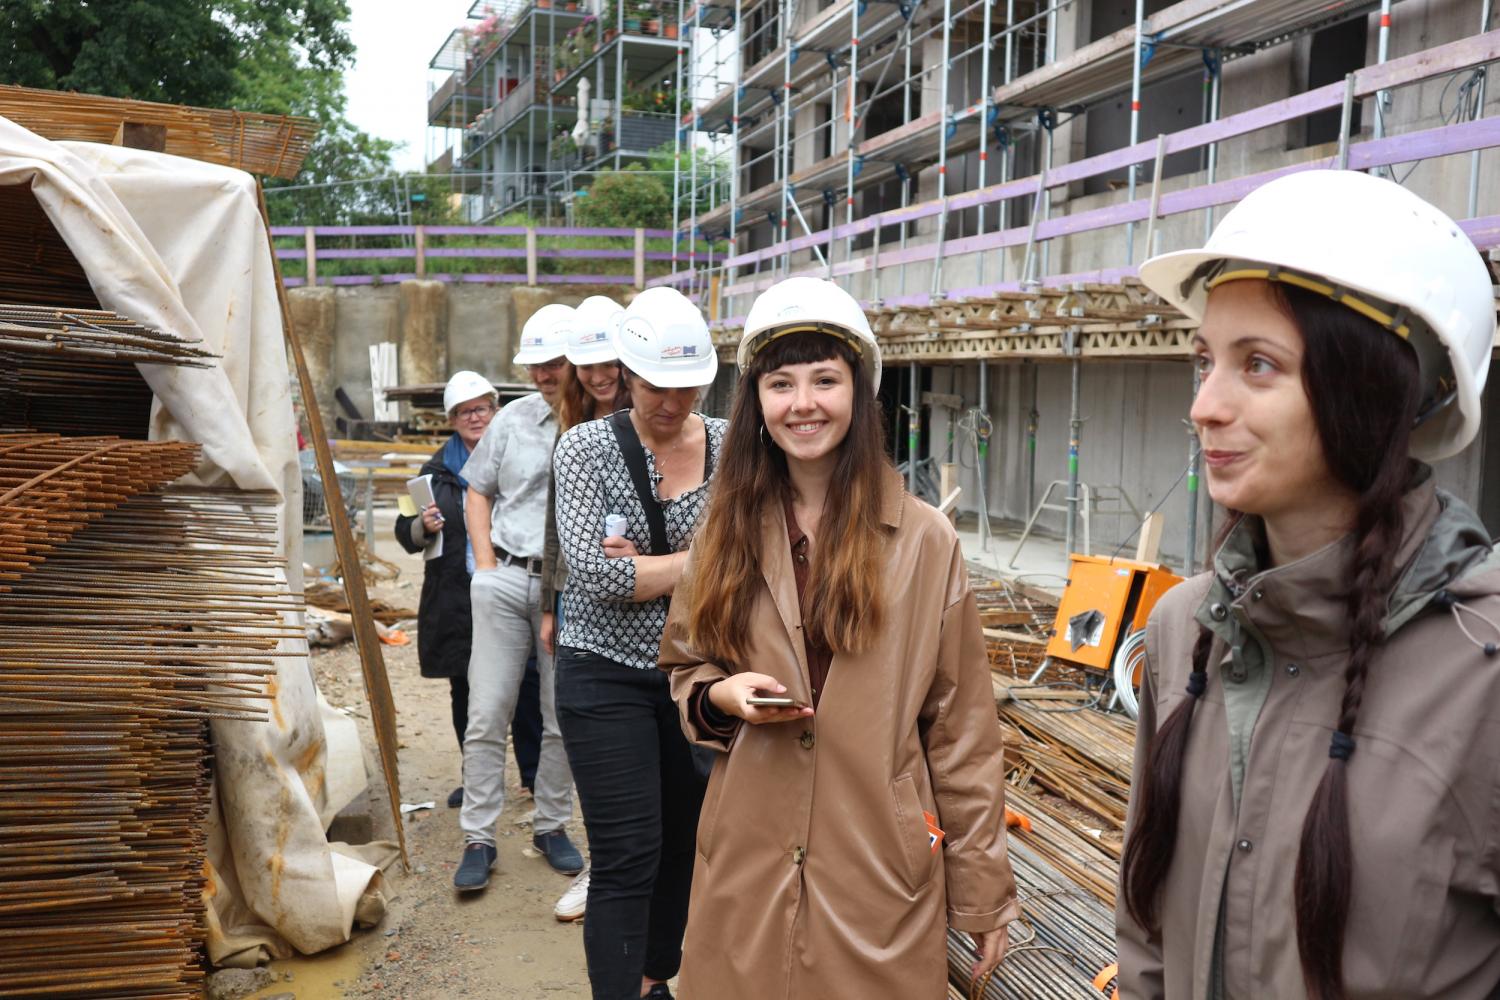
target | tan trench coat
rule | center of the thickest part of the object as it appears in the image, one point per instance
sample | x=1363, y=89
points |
x=815, y=879
x=1424, y=781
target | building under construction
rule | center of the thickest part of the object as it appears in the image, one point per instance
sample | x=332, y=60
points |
x=986, y=175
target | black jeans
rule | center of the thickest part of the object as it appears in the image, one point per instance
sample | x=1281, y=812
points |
x=640, y=799
x=525, y=725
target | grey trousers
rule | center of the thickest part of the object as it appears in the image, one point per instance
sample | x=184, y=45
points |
x=507, y=626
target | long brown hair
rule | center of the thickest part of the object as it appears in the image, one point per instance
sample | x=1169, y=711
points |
x=844, y=608
x=1363, y=387
x=578, y=406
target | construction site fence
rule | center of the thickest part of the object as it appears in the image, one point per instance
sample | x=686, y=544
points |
x=773, y=262
x=368, y=255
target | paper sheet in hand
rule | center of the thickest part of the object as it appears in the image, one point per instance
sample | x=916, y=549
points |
x=420, y=490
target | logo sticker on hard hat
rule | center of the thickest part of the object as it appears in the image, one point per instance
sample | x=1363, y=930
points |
x=680, y=351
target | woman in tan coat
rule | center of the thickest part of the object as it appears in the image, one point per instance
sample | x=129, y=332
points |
x=1316, y=804
x=844, y=832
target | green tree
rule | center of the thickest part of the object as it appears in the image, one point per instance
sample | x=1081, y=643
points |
x=629, y=197
x=268, y=56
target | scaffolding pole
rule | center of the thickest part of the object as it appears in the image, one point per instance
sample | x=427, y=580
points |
x=913, y=429
x=984, y=121
x=849, y=124
x=1484, y=27
x=946, y=68
x=1195, y=450
x=1135, y=125
x=787, y=203
x=1075, y=426
x=1214, y=70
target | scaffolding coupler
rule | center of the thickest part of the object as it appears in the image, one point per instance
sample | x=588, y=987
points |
x=1047, y=118
x=906, y=8
x=859, y=165
x=829, y=197
x=1148, y=48
x=902, y=174
x=1002, y=135
x=832, y=57
x=791, y=56
x=952, y=126
x=1213, y=62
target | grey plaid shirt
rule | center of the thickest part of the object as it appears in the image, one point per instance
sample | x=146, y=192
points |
x=512, y=465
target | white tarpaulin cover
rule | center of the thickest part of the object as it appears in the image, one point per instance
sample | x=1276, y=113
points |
x=178, y=245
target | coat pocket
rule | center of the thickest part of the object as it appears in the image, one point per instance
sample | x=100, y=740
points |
x=708, y=817
x=912, y=830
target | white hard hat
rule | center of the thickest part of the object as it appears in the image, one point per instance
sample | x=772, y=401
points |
x=1372, y=245
x=594, y=319
x=809, y=305
x=545, y=336
x=464, y=386
x=663, y=339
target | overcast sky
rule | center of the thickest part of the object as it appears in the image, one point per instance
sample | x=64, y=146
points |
x=394, y=39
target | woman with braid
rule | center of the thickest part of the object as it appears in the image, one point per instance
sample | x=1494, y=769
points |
x=1315, y=809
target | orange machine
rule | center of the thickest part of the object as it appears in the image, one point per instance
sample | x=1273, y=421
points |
x=1104, y=600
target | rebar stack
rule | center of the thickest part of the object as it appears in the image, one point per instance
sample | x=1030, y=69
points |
x=1064, y=938
x=162, y=612
x=73, y=371
x=52, y=486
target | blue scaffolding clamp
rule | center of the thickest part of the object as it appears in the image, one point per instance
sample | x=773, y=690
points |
x=902, y=174
x=1002, y=135
x=742, y=91
x=1148, y=48
x=859, y=164
x=952, y=129
x=906, y=9
x=1213, y=62
x=864, y=5
x=739, y=216
x=993, y=116
x=832, y=57
x=828, y=197
x=1047, y=118
x=791, y=56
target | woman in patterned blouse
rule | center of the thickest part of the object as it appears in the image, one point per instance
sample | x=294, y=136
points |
x=634, y=771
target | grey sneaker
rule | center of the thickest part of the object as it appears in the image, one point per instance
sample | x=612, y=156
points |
x=474, y=870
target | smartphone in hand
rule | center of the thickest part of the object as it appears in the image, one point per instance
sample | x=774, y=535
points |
x=774, y=701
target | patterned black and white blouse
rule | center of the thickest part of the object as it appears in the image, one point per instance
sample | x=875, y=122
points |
x=592, y=480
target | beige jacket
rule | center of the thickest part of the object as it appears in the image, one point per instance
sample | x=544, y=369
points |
x=815, y=879
x=1424, y=781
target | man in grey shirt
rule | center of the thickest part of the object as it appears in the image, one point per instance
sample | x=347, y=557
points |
x=505, y=511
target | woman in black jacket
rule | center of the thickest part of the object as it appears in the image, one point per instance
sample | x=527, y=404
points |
x=444, y=621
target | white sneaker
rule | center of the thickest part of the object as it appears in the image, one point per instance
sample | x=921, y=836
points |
x=571, y=906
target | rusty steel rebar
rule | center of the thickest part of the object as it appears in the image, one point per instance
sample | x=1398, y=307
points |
x=131, y=614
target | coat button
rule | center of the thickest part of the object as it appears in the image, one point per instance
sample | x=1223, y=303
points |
x=807, y=740
x=799, y=855
x=1257, y=594
x=1217, y=611
x=1292, y=670
x=1245, y=846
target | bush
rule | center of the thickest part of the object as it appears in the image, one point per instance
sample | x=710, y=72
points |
x=627, y=198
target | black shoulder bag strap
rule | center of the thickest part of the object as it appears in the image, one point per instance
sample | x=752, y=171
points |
x=635, y=460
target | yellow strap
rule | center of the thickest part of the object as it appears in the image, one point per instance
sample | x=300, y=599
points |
x=786, y=331
x=1338, y=295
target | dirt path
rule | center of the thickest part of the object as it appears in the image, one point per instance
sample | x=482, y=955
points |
x=501, y=943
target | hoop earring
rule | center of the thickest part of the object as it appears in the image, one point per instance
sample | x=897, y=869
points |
x=765, y=438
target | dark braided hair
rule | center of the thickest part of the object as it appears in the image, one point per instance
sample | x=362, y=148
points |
x=1363, y=387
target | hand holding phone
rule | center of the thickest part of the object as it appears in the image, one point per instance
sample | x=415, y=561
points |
x=757, y=698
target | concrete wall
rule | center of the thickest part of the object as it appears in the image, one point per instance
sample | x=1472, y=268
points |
x=438, y=329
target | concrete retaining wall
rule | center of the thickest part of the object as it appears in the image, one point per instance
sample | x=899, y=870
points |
x=438, y=329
